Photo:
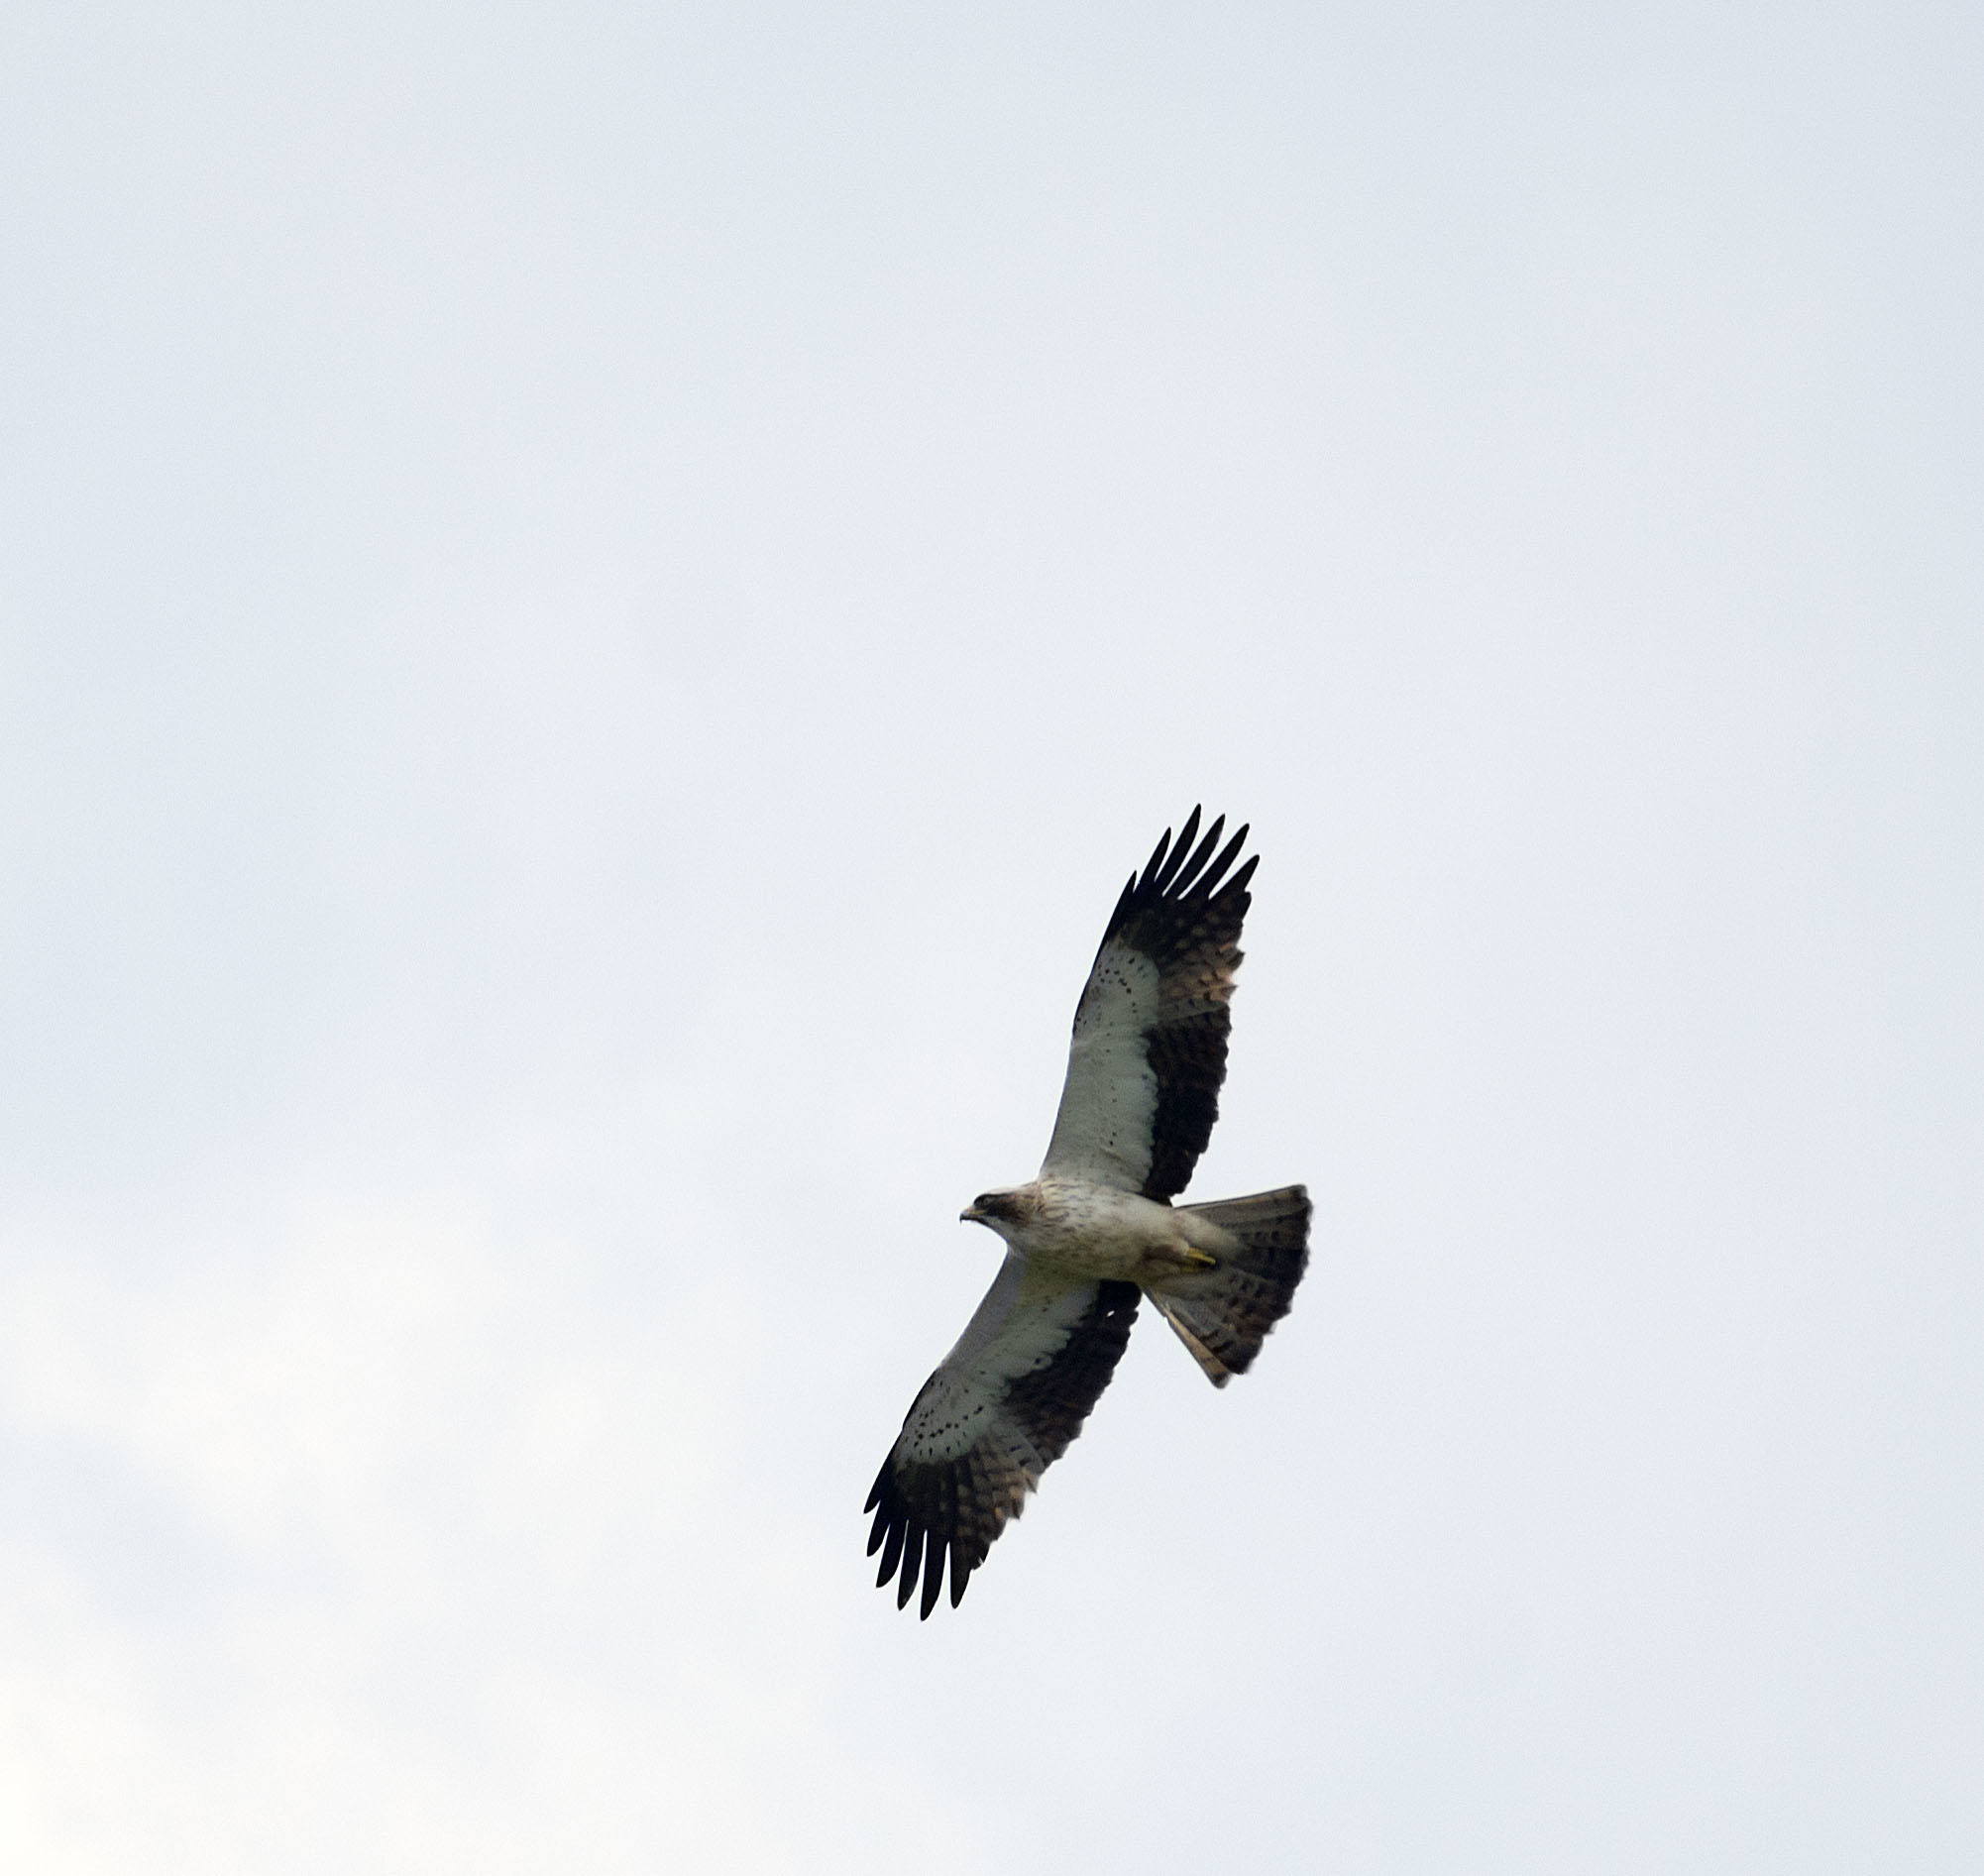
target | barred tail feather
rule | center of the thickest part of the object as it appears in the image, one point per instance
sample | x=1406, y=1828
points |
x=1223, y=1315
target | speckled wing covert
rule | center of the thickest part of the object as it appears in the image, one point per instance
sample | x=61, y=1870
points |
x=1148, y=1054
x=999, y=1411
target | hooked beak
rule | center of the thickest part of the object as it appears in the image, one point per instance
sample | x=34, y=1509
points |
x=972, y=1215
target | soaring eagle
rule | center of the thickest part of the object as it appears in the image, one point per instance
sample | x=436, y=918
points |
x=1097, y=1231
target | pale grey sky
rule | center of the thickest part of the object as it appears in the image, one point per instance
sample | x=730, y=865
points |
x=596, y=602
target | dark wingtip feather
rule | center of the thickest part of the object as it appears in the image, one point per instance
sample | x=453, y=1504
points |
x=1186, y=835
x=893, y=1554
x=1217, y=870
x=1188, y=874
x=932, y=1574
x=877, y=1493
x=1178, y=870
x=906, y=1584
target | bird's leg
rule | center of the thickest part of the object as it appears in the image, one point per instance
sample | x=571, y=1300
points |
x=1178, y=1260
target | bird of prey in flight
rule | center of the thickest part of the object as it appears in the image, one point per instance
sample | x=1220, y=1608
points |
x=1097, y=1231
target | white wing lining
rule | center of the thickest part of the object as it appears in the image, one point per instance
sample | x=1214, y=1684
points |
x=1109, y=1099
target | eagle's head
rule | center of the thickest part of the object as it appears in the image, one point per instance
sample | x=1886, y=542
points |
x=993, y=1209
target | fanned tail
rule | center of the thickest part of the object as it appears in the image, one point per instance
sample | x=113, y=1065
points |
x=1223, y=1315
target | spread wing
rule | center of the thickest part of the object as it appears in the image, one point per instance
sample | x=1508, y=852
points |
x=1003, y=1407
x=1148, y=1054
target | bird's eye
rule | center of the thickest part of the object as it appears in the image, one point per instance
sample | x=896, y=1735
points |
x=982, y=1203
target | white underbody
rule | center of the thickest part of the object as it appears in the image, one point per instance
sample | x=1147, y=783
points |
x=1076, y=1229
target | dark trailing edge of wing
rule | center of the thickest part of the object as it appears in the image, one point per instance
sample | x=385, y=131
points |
x=925, y=1514
x=1180, y=915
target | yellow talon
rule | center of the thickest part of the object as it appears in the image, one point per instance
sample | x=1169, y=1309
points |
x=1200, y=1260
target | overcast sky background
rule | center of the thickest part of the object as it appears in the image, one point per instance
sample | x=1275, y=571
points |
x=596, y=602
